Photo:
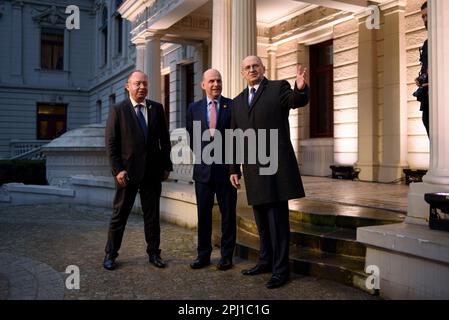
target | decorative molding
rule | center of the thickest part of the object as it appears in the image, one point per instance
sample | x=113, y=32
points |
x=305, y=20
x=50, y=17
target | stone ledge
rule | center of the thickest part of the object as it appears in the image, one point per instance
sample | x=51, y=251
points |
x=50, y=190
x=93, y=181
x=407, y=238
x=179, y=191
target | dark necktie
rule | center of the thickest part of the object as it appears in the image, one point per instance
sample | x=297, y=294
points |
x=252, y=93
x=142, y=122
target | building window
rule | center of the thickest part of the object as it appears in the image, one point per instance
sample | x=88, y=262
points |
x=187, y=90
x=104, y=37
x=189, y=84
x=111, y=100
x=99, y=112
x=322, y=90
x=51, y=121
x=119, y=36
x=166, y=91
x=52, y=49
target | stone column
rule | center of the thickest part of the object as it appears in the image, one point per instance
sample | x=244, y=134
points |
x=140, y=55
x=153, y=66
x=221, y=42
x=437, y=178
x=368, y=153
x=272, y=63
x=394, y=135
x=244, y=34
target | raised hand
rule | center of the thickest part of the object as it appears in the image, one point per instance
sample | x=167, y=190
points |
x=301, y=73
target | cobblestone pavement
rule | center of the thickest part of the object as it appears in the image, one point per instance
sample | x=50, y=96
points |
x=37, y=243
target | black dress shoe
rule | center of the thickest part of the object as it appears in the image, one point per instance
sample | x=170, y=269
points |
x=157, y=261
x=200, y=263
x=258, y=269
x=224, y=264
x=277, y=281
x=109, y=263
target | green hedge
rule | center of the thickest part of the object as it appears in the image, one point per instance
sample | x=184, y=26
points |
x=25, y=171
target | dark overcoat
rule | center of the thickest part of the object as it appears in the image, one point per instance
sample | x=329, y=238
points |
x=269, y=110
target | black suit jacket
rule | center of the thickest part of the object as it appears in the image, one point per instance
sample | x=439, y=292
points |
x=198, y=112
x=126, y=146
x=269, y=110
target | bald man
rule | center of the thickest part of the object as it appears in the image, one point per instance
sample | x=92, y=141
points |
x=213, y=114
x=138, y=147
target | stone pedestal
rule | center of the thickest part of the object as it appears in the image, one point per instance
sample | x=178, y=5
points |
x=77, y=152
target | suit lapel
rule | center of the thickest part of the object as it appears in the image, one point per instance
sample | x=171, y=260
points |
x=222, y=113
x=150, y=114
x=259, y=91
x=204, y=113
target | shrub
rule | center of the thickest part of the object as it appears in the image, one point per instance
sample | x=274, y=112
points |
x=25, y=171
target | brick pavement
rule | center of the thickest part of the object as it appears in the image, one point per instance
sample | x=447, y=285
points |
x=37, y=243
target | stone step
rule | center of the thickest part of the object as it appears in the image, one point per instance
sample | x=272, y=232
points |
x=306, y=261
x=333, y=214
x=327, y=239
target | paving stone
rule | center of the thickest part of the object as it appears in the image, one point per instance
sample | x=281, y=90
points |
x=52, y=237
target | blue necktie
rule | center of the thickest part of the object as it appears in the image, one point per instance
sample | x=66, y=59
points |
x=251, y=95
x=142, y=122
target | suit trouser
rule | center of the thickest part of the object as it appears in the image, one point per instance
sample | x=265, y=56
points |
x=273, y=225
x=227, y=201
x=150, y=193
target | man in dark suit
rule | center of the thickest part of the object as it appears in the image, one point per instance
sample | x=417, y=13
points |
x=212, y=114
x=265, y=105
x=138, y=147
x=422, y=81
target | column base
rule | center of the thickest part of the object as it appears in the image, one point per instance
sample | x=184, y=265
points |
x=389, y=173
x=368, y=171
x=418, y=208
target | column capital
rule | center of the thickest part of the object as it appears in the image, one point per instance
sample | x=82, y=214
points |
x=150, y=35
x=392, y=6
x=138, y=41
x=272, y=49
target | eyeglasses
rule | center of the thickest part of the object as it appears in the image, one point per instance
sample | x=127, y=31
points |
x=137, y=84
x=250, y=67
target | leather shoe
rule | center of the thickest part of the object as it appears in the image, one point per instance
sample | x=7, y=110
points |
x=224, y=264
x=277, y=281
x=258, y=269
x=109, y=263
x=157, y=261
x=200, y=263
